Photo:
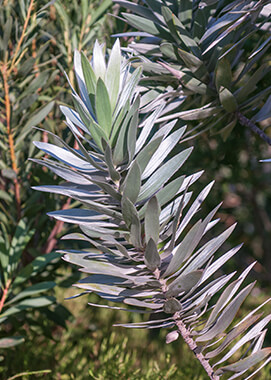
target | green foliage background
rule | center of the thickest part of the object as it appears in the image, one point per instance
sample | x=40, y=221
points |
x=66, y=337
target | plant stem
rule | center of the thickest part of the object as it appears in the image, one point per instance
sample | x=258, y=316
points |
x=10, y=139
x=43, y=371
x=193, y=347
x=22, y=35
x=253, y=127
x=4, y=295
x=186, y=334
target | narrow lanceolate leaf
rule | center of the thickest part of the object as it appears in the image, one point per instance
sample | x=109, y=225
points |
x=97, y=267
x=171, y=306
x=165, y=148
x=89, y=75
x=81, y=81
x=132, y=183
x=146, y=25
x=97, y=133
x=65, y=173
x=245, y=364
x=39, y=116
x=265, y=111
x=64, y=156
x=120, y=149
x=206, y=252
x=251, y=334
x=103, y=107
x=190, y=60
x=131, y=136
x=152, y=220
x=147, y=128
x=139, y=303
x=132, y=221
x=226, y=32
x=78, y=216
x=181, y=31
x=194, y=207
x=11, y=341
x=227, y=316
x=227, y=100
x=234, y=333
x=185, y=248
x=163, y=174
x=227, y=294
x=183, y=283
x=99, y=65
x=112, y=77
x=219, y=263
x=223, y=74
x=114, y=174
x=32, y=290
x=144, y=156
x=151, y=255
x=128, y=91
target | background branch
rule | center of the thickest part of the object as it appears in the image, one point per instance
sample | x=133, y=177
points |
x=253, y=127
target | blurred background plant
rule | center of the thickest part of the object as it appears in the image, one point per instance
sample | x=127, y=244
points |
x=42, y=45
x=37, y=40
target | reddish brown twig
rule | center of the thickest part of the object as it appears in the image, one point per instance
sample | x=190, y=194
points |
x=193, y=347
x=52, y=241
x=11, y=139
x=4, y=295
x=22, y=35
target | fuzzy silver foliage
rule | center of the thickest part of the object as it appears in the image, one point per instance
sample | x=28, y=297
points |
x=147, y=248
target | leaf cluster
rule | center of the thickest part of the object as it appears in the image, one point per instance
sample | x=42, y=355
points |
x=147, y=250
x=200, y=54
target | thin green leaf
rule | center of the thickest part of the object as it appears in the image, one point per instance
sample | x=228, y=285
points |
x=162, y=153
x=265, y=112
x=32, y=290
x=185, y=248
x=89, y=75
x=112, y=77
x=152, y=220
x=227, y=100
x=103, y=107
x=120, y=150
x=132, y=183
x=183, y=283
x=151, y=255
x=163, y=174
x=145, y=154
x=114, y=174
x=148, y=26
x=11, y=341
x=234, y=333
x=244, y=364
x=39, y=116
x=223, y=74
x=227, y=316
x=99, y=65
x=131, y=137
x=171, y=306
